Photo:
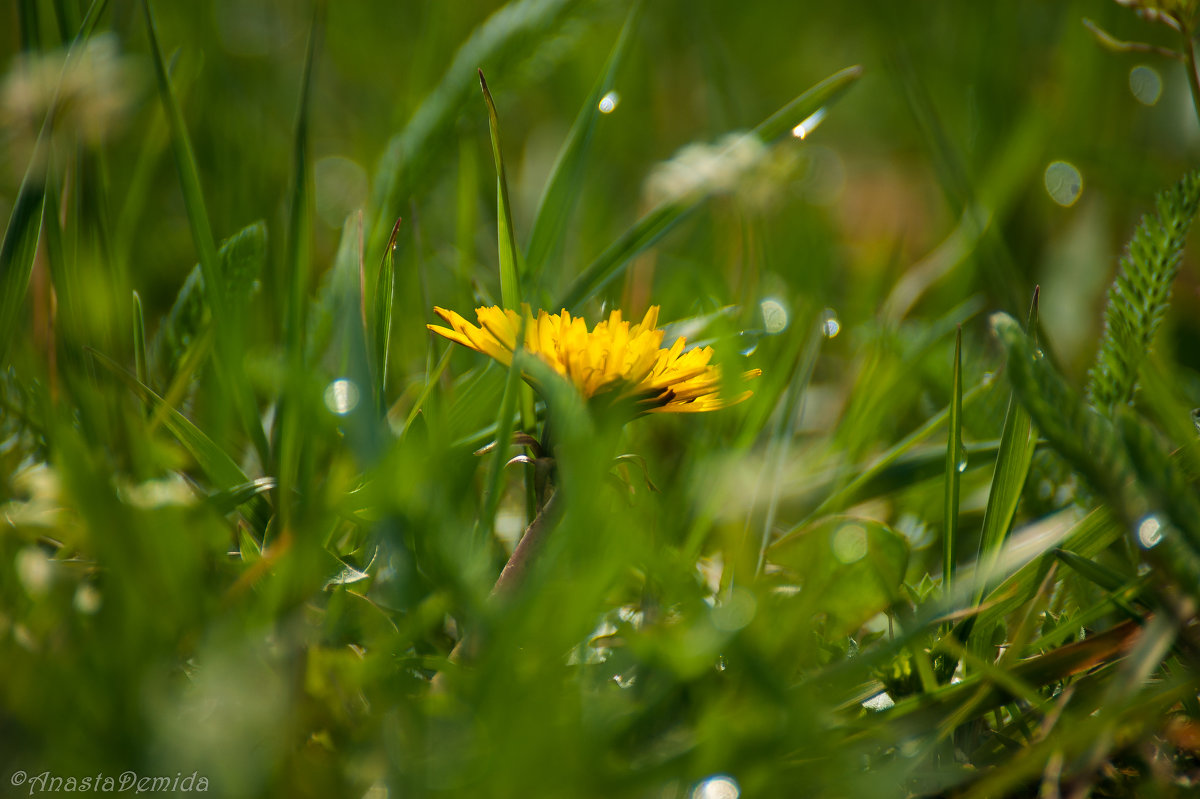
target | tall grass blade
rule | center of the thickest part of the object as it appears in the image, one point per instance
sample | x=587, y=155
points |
x=297, y=265
x=954, y=458
x=515, y=31
x=17, y=251
x=381, y=319
x=1017, y=442
x=510, y=270
x=562, y=189
x=229, y=357
x=140, y=368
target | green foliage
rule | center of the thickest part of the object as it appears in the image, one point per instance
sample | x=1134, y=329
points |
x=1138, y=298
x=285, y=539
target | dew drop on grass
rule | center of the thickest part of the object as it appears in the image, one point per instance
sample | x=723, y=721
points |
x=962, y=460
x=341, y=396
x=1149, y=531
x=1146, y=84
x=609, y=102
x=1063, y=182
x=830, y=326
x=720, y=786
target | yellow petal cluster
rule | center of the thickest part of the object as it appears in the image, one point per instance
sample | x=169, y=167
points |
x=617, y=361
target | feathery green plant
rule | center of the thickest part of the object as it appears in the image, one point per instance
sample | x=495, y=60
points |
x=1140, y=294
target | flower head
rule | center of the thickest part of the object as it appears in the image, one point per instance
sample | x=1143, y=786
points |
x=615, y=362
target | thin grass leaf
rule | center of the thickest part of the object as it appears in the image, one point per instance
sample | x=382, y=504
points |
x=382, y=319
x=140, y=368
x=562, y=188
x=954, y=458
x=1087, y=440
x=17, y=252
x=651, y=227
x=517, y=30
x=297, y=265
x=510, y=270
x=216, y=464
x=1017, y=442
x=19, y=245
x=434, y=376
x=1140, y=294
x=189, y=179
x=229, y=362
x=854, y=490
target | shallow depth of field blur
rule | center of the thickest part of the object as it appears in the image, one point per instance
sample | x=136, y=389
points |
x=950, y=546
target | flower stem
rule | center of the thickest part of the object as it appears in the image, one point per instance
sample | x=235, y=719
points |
x=513, y=572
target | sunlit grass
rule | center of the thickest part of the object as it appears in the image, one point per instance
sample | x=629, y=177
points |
x=263, y=526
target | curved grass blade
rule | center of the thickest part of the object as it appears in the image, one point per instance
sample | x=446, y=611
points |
x=650, y=228
x=954, y=457
x=229, y=361
x=512, y=32
x=562, y=189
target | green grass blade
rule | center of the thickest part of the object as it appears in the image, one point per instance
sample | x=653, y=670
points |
x=651, y=227
x=510, y=278
x=434, y=376
x=852, y=491
x=807, y=104
x=562, y=189
x=513, y=32
x=189, y=178
x=139, y=341
x=381, y=319
x=229, y=356
x=17, y=251
x=954, y=460
x=216, y=464
x=297, y=265
x=298, y=258
x=1017, y=442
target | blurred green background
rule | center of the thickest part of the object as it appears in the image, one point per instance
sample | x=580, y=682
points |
x=987, y=148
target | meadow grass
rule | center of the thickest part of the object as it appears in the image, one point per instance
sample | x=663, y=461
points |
x=912, y=513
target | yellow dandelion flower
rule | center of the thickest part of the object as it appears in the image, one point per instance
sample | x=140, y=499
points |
x=615, y=362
